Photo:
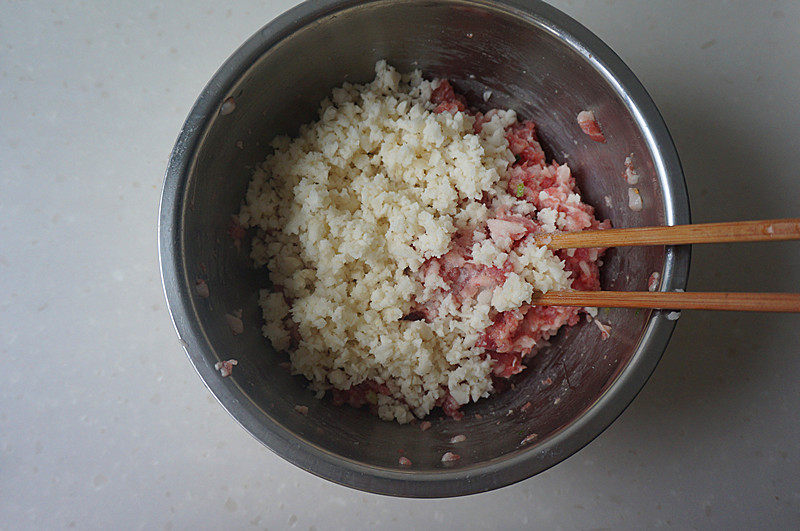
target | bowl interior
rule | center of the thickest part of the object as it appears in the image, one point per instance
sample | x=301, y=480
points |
x=529, y=68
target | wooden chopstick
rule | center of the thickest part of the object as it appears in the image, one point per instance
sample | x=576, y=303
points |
x=736, y=231
x=748, y=302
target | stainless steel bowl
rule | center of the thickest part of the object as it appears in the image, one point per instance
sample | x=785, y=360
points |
x=535, y=60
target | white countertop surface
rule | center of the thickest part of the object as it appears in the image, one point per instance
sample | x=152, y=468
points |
x=103, y=421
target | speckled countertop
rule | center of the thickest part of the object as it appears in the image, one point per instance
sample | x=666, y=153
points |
x=104, y=423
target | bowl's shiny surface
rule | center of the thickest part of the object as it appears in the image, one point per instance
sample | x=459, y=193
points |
x=535, y=60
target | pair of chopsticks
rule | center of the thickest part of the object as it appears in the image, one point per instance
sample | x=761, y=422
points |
x=739, y=231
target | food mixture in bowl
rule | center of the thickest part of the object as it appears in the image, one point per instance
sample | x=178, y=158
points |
x=398, y=232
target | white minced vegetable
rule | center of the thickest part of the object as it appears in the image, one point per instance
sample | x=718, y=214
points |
x=449, y=457
x=634, y=199
x=202, y=288
x=631, y=175
x=486, y=95
x=652, y=282
x=605, y=330
x=225, y=368
x=349, y=211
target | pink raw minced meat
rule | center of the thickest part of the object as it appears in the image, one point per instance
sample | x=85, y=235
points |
x=225, y=368
x=652, y=281
x=514, y=334
x=589, y=125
